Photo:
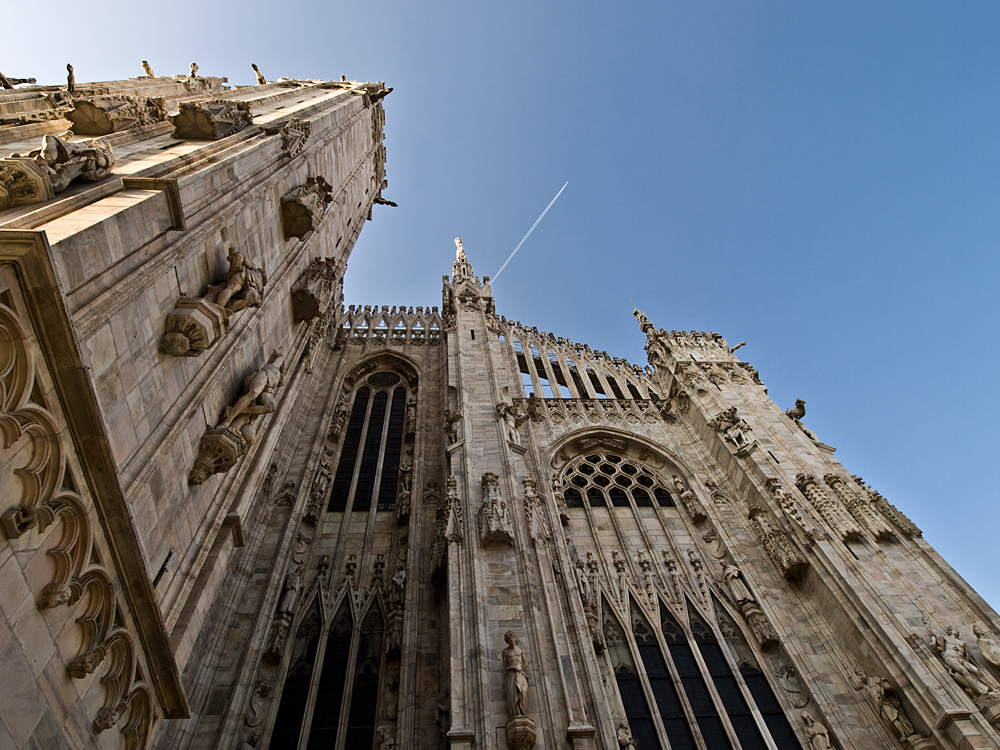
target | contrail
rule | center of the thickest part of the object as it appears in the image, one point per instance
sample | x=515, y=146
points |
x=529, y=232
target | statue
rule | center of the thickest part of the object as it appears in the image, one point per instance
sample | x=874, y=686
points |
x=817, y=734
x=459, y=251
x=586, y=591
x=260, y=76
x=624, y=735
x=194, y=71
x=62, y=161
x=258, y=392
x=953, y=652
x=452, y=423
x=881, y=693
x=244, y=284
x=147, y=70
x=987, y=643
x=70, y=79
x=508, y=415
x=737, y=586
x=515, y=679
x=410, y=417
x=290, y=591
x=384, y=739
x=398, y=585
x=798, y=412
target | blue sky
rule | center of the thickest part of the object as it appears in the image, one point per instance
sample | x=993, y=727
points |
x=821, y=182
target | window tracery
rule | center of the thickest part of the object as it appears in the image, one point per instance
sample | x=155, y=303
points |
x=606, y=478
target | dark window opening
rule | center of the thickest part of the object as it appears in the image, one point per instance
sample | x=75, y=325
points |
x=640, y=720
x=349, y=453
x=618, y=497
x=473, y=335
x=775, y=719
x=370, y=456
x=596, y=498
x=594, y=381
x=330, y=692
x=634, y=391
x=614, y=385
x=364, y=692
x=573, y=498
x=641, y=498
x=295, y=693
x=663, y=497
x=393, y=445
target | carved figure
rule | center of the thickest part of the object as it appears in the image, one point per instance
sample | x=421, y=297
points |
x=60, y=161
x=147, y=70
x=987, y=643
x=452, y=423
x=797, y=413
x=817, y=734
x=382, y=736
x=734, y=429
x=737, y=586
x=515, y=679
x=410, y=417
x=260, y=76
x=495, y=523
x=952, y=650
x=290, y=591
x=244, y=284
x=398, y=586
x=9, y=83
x=881, y=693
x=508, y=415
x=624, y=734
x=258, y=391
x=70, y=79
x=586, y=592
x=690, y=502
x=194, y=70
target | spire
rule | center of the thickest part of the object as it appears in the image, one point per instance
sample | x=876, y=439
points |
x=461, y=269
x=644, y=323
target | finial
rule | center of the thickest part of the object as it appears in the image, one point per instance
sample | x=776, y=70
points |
x=459, y=250
x=260, y=76
x=194, y=70
x=146, y=69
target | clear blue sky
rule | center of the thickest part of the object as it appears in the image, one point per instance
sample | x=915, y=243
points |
x=820, y=180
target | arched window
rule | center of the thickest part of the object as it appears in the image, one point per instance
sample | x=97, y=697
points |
x=368, y=468
x=607, y=477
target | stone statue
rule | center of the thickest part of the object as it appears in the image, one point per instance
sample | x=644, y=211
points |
x=459, y=251
x=383, y=738
x=817, y=734
x=290, y=591
x=147, y=70
x=798, y=412
x=244, y=284
x=624, y=734
x=987, y=643
x=70, y=79
x=452, y=423
x=398, y=585
x=506, y=413
x=260, y=76
x=953, y=652
x=410, y=417
x=258, y=391
x=586, y=591
x=881, y=693
x=194, y=70
x=515, y=679
x=737, y=586
x=62, y=161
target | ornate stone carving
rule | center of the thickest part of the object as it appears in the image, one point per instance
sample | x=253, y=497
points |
x=589, y=584
x=520, y=726
x=294, y=135
x=951, y=648
x=104, y=115
x=196, y=323
x=317, y=493
x=340, y=414
x=495, y=523
x=453, y=425
x=8, y=82
x=404, y=493
x=988, y=645
x=734, y=430
x=221, y=447
x=690, y=502
x=889, y=511
x=40, y=174
x=449, y=527
x=817, y=734
x=211, y=120
x=535, y=513
x=410, y=419
x=384, y=739
x=556, y=483
x=624, y=733
x=777, y=545
x=755, y=618
x=885, y=701
x=859, y=508
x=303, y=207
x=512, y=418
x=833, y=513
x=395, y=600
x=312, y=293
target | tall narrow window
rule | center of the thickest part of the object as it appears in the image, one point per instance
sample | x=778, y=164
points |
x=726, y=686
x=662, y=684
x=368, y=469
x=295, y=693
x=364, y=690
x=330, y=691
x=522, y=365
x=633, y=697
x=341, y=489
x=698, y=696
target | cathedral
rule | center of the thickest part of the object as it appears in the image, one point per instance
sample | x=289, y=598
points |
x=237, y=513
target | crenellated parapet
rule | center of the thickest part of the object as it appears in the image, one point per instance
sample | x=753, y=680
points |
x=402, y=325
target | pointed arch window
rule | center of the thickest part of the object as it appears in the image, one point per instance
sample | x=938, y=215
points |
x=607, y=478
x=368, y=468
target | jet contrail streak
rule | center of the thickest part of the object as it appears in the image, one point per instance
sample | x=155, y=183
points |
x=529, y=232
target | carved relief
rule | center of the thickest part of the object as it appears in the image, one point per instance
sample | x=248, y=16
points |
x=294, y=135
x=449, y=527
x=817, y=734
x=317, y=493
x=196, y=323
x=512, y=418
x=313, y=292
x=755, y=618
x=211, y=120
x=734, y=430
x=43, y=172
x=882, y=695
x=221, y=447
x=303, y=207
x=453, y=425
x=859, y=508
x=690, y=502
x=889, y=511
x=105, y=115
x=978, y=683
x=988, y=645
x=495, y=523
x=535, y=513
x=833, y=513
x=777, y=545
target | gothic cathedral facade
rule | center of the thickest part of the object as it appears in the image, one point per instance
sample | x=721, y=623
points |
x=237, y=513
